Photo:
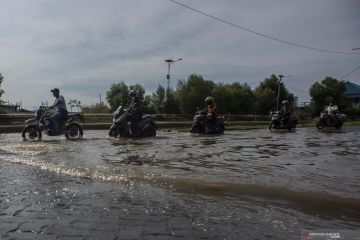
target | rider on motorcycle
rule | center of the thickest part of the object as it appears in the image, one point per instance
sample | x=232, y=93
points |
x=135, y=109
x=285, y=113
x=60, y=111
x=331, y=111
x=211, y=109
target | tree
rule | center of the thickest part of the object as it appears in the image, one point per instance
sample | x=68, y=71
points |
x=234, y=98
x=149, y=107
x=74, y=103
x=1, y=91
x=171, y=106
x=267, y=93
x=97, y=108
x=190, y=93
x=326, y=91
x=118, y=95
x=158, y=99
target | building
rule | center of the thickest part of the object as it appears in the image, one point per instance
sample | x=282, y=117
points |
x=352, y=93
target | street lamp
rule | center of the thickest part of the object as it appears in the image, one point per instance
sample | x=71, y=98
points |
x=278, y=97
x=169, y=62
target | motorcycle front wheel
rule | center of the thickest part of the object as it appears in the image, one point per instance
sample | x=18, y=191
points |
x=272, y=126
x=113, y=131
x=319, y=125
x=31, y=133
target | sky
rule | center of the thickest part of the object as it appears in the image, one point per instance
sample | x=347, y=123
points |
x=83, y=46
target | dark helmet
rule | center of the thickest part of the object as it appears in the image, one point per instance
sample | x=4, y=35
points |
x=209, y=100
x=285, y=102
x=133, y=94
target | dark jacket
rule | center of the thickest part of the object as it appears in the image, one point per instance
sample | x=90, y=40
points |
x=136, y=107
x=284, y=111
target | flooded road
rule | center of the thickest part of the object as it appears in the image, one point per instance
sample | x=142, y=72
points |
x=255, y=184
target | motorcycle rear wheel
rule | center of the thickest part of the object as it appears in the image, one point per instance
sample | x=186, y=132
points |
x=31, y=133
x=150, y=131
x=73, y=131
x=339, y=125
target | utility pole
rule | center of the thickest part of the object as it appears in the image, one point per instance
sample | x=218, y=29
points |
x=278, y=97
x=100, y=98
x=169, y=62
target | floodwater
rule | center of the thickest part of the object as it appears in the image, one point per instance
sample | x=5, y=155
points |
x=251, y=184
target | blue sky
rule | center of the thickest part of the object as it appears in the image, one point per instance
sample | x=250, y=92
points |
x=83, y=46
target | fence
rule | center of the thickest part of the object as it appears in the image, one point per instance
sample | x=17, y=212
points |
x=19, y=119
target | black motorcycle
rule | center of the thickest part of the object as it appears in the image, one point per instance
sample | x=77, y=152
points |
x=120, y=128
x=205, y=125
x=41, y=123
x=330, y=119
x=280, y=122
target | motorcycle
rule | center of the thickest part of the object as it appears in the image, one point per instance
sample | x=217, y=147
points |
x=330, y=119
x=204, y=125
x=120, y=127
x=278, y=121
x=41, y=123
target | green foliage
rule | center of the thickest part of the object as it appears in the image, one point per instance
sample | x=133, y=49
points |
x=97, y=108
x=326, y=91
x=73, y=103
x=149, y=107
x=234, y=98
x=190, y=94
x=267, y=94
x=171, y=105
x=158, y=99
x=118, y=95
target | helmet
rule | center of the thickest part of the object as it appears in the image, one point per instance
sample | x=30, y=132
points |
x=133, y=94
x=285, y=102
x=209, y=100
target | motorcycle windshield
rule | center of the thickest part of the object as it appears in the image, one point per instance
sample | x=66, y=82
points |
x=122, y=118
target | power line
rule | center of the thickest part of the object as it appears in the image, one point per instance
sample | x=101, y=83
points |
x=347, y=75
x=258, y=33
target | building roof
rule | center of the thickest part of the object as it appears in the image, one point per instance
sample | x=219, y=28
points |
x=352, y=90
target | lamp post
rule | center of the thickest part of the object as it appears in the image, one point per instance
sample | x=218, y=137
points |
x=278, y=97
x=169, y=62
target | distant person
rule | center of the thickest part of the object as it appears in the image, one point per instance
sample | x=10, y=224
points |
x=331, y=108
x=285, y=113
x=210, y=112
x=211, y=109
x=60, y=111
x=332, y=111
x=136, y=110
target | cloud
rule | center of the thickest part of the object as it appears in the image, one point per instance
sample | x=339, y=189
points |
x=85, y=46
